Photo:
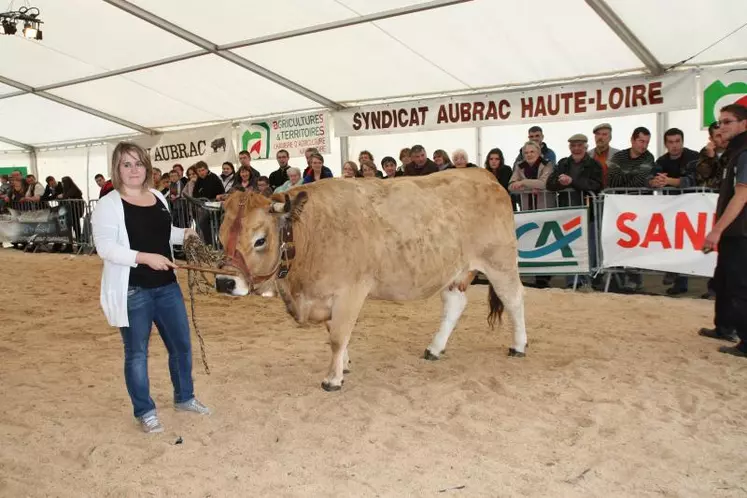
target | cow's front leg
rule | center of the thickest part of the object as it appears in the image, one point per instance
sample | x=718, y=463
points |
x=345, y=311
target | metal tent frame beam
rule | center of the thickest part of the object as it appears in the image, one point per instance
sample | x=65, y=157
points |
x=75, y=105
x=20, y=145
x=605, y=12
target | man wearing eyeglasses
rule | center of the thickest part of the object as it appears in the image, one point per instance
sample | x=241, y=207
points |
x=729, y=235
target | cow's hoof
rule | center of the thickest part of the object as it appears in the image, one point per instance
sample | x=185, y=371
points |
x=429, y=356
x=346, y=371
x=330, y=387
x=516, y=354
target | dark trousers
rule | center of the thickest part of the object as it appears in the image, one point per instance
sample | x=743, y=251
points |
x=730, y=285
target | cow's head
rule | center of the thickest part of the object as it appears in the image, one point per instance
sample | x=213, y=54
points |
x=251, y=234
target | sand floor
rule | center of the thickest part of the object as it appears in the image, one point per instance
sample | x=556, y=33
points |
x=618, y=397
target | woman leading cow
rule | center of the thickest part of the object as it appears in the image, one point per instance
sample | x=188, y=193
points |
x=134, y=236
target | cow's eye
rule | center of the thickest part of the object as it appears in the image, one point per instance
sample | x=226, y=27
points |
x=259, y=242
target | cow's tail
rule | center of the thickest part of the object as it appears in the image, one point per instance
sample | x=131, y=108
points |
x=496, y=307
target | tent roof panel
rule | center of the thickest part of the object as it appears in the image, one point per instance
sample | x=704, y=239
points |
x=675, y=32
x=6, y=89
x=206, y=88
x=353, y=63
x=485, y=48
x=84, y=37
x=225, y=21
x=36, y=120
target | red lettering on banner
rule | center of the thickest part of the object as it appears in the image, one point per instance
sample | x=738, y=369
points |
x=657, y=232
x=464, y=112
x=502, y=112
x=697, y=235
x=492, y=111
x=566, y=97
x=402, y=118
x=478, y=110
x=527, y=103
x=540, y=109
x=654, y=93
x=553, y=104
x=616, y=98
x=579, y=99
x=601, y=106
x=629, y=231
x=639, y=94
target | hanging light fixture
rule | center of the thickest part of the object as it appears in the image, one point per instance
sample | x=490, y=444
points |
x=28, y=15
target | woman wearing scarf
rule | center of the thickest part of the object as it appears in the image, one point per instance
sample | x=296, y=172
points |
x=530, y=177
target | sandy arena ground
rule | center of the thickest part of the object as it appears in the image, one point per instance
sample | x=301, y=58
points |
x=618, y=397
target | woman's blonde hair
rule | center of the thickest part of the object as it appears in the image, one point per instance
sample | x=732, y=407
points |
x=120, y=150
x=533, y=144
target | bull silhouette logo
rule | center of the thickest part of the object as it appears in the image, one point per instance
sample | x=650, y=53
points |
x=218, y=143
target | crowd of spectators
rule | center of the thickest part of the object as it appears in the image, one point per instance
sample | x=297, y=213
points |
x=536, y=179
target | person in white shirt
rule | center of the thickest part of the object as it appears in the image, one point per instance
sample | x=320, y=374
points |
x=134, y=236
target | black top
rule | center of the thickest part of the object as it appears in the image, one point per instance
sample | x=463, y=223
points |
x=149, y=230
x=209, y=187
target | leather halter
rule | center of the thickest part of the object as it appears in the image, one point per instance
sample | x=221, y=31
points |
x=287, y=248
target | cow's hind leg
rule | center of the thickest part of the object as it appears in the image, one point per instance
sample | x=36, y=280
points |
x=507, y=292
x=454, y=303
x=345, y=311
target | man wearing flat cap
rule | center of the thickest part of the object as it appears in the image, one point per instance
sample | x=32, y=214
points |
x=577, y=176
x=602, y=152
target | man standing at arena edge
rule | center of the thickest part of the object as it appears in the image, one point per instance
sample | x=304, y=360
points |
x=729, y=235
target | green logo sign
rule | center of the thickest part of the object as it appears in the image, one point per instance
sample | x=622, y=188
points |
x=718, y=94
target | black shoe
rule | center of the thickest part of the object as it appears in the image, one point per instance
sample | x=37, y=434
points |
x=720, y=333
x=676, y=291
x=739, y=350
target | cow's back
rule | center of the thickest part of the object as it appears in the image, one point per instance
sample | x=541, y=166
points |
x=403, y=234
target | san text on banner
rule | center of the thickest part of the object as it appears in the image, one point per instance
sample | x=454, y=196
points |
x=659, y=232
x=553, y=241
x=571, y=102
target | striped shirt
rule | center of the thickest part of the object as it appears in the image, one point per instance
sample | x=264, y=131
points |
x=626, y=172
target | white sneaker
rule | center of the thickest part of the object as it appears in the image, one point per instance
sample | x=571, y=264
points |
x=192, y=406
x=150, y=423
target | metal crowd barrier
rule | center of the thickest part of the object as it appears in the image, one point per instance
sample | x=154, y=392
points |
x=205, y=217
x=50, y=225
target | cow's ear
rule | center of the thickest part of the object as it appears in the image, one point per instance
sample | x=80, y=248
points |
x=295, y=207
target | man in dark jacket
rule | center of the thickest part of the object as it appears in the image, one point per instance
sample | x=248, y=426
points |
x=420, y=165
x=676, y=168
x=578, y=172
x=208, y=185
x=52, y=190
x=582, y=175
x=708, y=172
x=729, y=236
x=280, y=175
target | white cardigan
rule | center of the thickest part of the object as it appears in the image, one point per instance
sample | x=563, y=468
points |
x=113, y=246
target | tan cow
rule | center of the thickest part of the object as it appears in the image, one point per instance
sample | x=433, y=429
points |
x=329, y=245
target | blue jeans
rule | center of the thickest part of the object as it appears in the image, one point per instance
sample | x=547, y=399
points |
x=164, y=306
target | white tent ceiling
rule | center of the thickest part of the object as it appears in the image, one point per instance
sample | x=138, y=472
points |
x=116, y=67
